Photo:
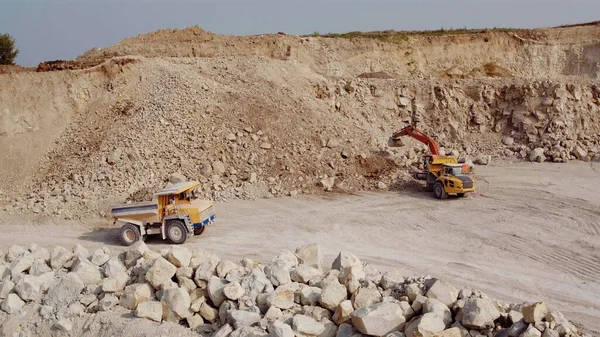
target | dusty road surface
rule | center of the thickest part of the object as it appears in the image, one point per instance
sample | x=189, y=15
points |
x=530, y=232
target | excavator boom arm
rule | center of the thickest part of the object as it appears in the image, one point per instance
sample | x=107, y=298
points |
x=419, y=135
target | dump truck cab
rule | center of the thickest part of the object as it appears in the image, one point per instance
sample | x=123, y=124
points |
x=175, y=213
x=450, y=179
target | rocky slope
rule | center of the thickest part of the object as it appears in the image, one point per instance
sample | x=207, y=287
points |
x=250, y=121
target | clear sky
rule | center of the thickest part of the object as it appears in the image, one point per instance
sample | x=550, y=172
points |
x=64, y=29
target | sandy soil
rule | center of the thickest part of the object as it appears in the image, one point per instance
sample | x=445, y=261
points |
x=530, y=232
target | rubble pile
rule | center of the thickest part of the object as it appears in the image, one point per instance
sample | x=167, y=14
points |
x=292, y=295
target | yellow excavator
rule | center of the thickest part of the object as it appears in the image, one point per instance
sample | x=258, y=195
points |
x=444, y=174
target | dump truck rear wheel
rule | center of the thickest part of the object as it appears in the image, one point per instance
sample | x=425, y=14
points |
x=198, y=231
x=129, y=234
x=176, y=232
x=439, y=191
x=460, y=195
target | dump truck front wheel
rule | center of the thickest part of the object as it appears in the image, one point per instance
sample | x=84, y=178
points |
x=176, y=232
x=199, y=230
x=439, y=191
x=129, y=234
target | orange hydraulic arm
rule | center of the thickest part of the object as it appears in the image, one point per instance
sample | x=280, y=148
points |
x=419, y=135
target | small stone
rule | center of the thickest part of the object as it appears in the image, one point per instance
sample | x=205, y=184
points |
x=151, y=310
x=282, y=297
x=333, y=143
x=508, y=141
x=391, y=279
x=107, y=302
x=177, y=178
x=64, y=325
x=195, y=321
x=366, y=297
x=6, y=287
x=87, y=272
x=531, y=331
x=266, y=146
x=218, y=167
x=381, y=185
x=328, y=183
x=231, y=137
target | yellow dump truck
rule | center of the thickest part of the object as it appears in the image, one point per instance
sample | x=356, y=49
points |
x=175, y=213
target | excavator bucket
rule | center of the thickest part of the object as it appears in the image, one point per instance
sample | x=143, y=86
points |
x=397, y=142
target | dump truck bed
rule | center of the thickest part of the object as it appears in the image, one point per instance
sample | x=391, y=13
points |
x=137, y=210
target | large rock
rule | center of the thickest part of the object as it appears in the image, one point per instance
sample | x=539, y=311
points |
x=332, y=295
x=4, y=271
x=12, y=304
x=87, y=272
x=150, y=310
x=366, y=297
x=233, y=291
x=59, y=257
x=39, y=267
x=443, y=291
x=195, y=321
x=391, y=279
x=176, y=305
x=311, y=255
x=531, y=331
x=479, y=313
x=283, y=296
x=537, y=155
x=240, y=318
x=21, y=264
x=306, y=326
x=15, y=252
x=452, y=332
x=113, y=267
x=342, y=312
x=208, y=313
x=215, y=290
x=428, y=325
x=100, y=256
x=345, y=259
x=535, y=312
x=437, y=307
x=64, y=292
x=115, y=283
x=351, y=273
x=278, y=273
x=310, y=295
x=580, y=153
x=29, y=288
x=280, y=329
x=304, y=273
x=160, y=272
x=224, y=267
x=379, y=319
x=205, y=269
x=412, y=291
x=6, y=287
x=134, y=294
x=135, y=252
x=180, y=256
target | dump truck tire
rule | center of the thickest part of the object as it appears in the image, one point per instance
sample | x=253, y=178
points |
x=129, y=234
x=198, y=231
x=439, y=191
x=460, y=195
x=429, y=187
x=176, y=232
